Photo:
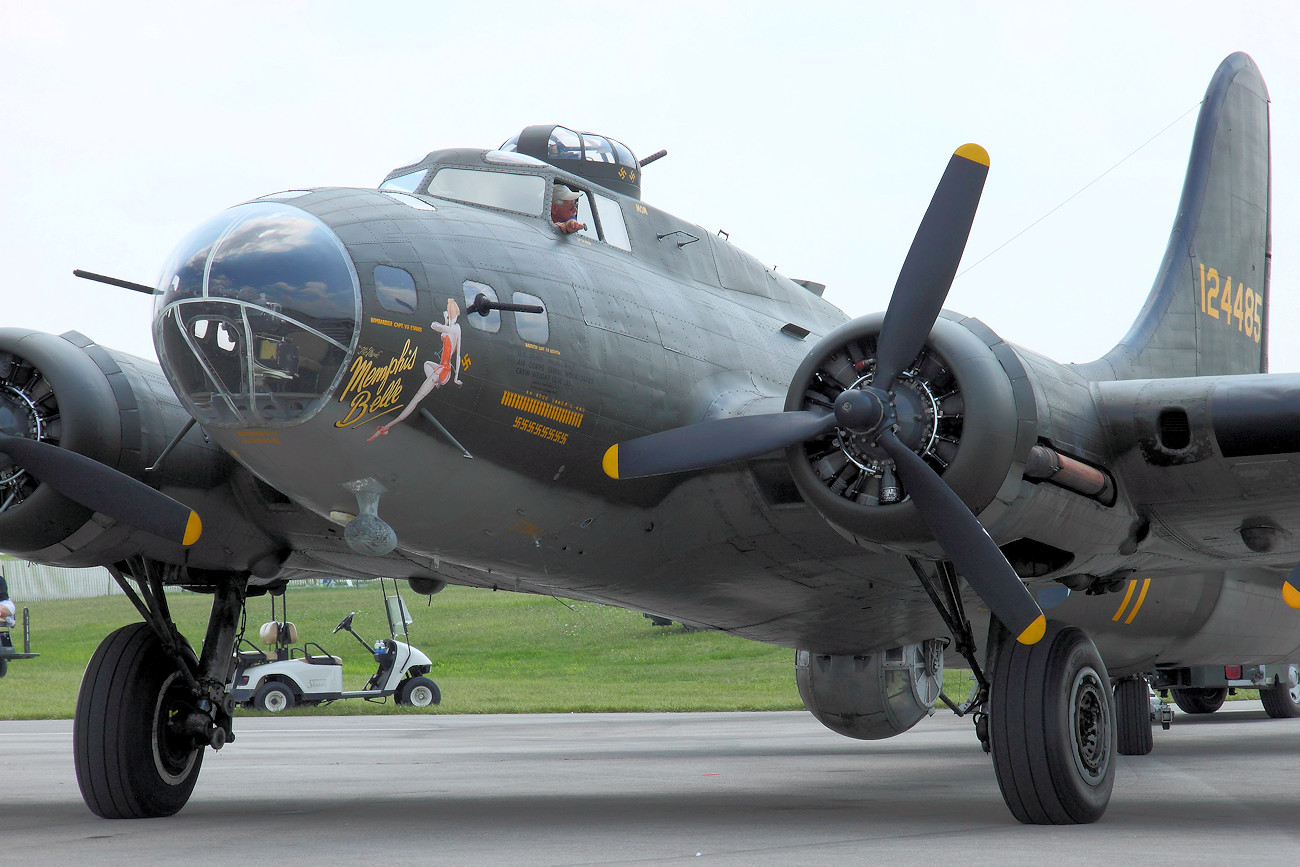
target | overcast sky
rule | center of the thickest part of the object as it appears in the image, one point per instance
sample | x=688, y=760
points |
x=813, y=133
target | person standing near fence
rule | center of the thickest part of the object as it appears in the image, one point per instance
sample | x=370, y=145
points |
x=8, y=611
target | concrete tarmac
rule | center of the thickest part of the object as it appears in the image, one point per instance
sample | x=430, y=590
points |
x=731, y=788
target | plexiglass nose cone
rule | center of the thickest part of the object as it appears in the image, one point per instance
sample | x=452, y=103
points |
x=258, y=315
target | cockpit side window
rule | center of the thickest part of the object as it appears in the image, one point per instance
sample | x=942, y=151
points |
x=523, y=194
x=586, y=218
x=611, y=222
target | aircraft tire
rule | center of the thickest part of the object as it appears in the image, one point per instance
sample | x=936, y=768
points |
x=1051, y=721
x=1200, y=700
x=4, y=667
x=1281, y=701
x=419, y=692
x=130, y=763
x=1133, y=717
x=273, y=697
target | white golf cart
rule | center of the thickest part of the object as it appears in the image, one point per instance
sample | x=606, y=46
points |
x=289, y=675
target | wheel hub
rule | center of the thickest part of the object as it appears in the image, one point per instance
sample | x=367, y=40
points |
x=1089, y=725
x=174, y=750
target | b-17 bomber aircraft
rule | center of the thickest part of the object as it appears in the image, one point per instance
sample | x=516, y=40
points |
x=502, y=368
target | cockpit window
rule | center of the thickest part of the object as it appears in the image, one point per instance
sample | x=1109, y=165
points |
x=523, y=194
x=611, y=222
x=585, y=217
x=407, y=183
x=511, y=158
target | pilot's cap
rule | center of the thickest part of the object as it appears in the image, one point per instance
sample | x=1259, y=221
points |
x=561, y=193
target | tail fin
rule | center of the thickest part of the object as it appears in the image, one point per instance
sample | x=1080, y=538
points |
x=1207, y=313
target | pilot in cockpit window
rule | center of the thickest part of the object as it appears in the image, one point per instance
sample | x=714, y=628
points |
x=564, y=209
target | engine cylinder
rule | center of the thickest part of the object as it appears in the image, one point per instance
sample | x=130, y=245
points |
x=957, y=408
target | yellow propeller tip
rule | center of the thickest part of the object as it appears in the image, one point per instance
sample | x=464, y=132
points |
x=610, y=462
x=193, y=529
x=974, y=153
x=1033, y=632
x=1290, y=595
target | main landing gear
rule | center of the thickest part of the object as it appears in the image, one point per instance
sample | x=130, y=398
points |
x=1046, y=713
x=148, y=707
x=1052, y=727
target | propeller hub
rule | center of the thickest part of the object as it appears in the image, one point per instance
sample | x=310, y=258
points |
x=863, y=410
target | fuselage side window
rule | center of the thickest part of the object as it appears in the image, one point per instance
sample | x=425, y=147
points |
x=611, y=222
x=523, y=194
x=532, y=327
x=490, y=323
x=395, y=289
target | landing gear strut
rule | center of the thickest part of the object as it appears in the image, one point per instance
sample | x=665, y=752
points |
x=148, y=707
x=1046, y=714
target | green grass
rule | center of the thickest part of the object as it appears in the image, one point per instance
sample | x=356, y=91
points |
x=491, y=652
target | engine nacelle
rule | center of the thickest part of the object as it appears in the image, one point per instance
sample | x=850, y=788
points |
x=957, y=408
x=871, y=696
x=112, y=407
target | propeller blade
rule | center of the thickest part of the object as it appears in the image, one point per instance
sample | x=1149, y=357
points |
x=714, y=442
x=103, y=489
x=967, y=544
x=1291, y=588
x=931, y=263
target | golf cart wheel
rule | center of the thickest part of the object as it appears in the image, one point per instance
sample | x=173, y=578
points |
x=273, y=697
x=1200, y=700
x=419, y=692
x=1281, y=701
